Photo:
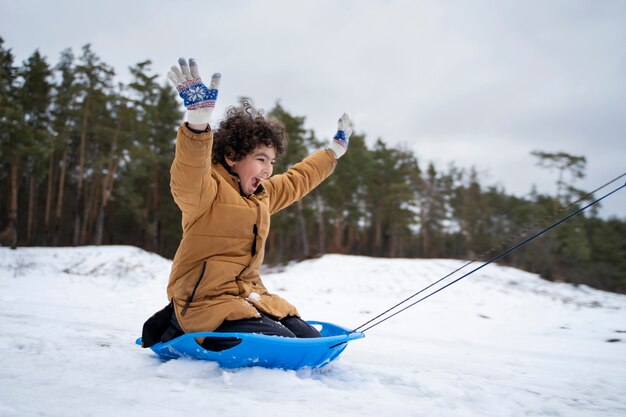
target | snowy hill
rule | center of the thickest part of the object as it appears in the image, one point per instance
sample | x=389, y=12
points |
x=500, y=343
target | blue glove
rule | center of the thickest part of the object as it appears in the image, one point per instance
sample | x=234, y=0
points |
x=198, y=99
x=339, y=143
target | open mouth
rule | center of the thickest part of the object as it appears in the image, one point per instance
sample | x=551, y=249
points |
x=256, y=182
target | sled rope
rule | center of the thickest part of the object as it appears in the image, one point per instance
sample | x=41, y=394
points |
x=502, y=254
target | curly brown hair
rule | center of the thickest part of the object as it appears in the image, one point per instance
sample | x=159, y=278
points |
x=243, y=131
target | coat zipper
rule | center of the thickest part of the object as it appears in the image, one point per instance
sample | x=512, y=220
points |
x=190, y=298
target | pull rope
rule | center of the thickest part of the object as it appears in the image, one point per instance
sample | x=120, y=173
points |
x=521, y=234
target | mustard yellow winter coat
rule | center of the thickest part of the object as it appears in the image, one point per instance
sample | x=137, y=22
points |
x=215, y=274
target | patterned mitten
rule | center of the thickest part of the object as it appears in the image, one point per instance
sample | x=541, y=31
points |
x=198, y=99
x=339, y=143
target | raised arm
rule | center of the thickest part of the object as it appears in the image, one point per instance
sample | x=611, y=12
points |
x=285, y=189
x=197, y=98
x=191, y=183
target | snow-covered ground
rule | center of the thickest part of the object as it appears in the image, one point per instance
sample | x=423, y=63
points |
x=500, y=343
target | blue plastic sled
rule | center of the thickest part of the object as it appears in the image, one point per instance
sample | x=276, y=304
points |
x=260, y=350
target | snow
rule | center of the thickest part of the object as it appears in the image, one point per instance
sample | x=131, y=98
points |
x=254, y=297
x=502, y=342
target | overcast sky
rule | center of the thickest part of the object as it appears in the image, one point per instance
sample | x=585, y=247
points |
x=474, y=83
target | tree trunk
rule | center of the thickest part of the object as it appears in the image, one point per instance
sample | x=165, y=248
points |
x=147, y=238
x=9, y=234
x=393, y=242
x=81, y=173
x=59, y=208
x=107, y=190
x=30, y=220
x=338, y=233
x=320, y=223
x=107, y=185
x=352, y=243
x=90, y=209
x=303, y=234
x=77, y=215
x=97, y=239
x=155, y=209
x=378, y=236
x=46, y=220
x=424, y=232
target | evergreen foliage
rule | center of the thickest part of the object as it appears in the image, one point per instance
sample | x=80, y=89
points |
x=85, y=161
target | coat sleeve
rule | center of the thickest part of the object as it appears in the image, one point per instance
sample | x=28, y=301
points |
x=289, y=187
x=191, y=183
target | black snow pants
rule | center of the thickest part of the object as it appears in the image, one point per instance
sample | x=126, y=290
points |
x=287, y=327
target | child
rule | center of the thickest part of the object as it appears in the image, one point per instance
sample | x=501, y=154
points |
x=222, y=182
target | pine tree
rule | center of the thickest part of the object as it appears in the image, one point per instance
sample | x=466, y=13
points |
x=564, y=163
x=65, y=122
x=36, y=140
x=167, y=117
x=391, y=198
x=122, y=118
x=289, y=235
x=10, y=129
x=150, y=153
x=433, y=213
x=345, y=198
x=94, y=81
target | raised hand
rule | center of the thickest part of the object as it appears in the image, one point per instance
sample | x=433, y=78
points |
x=198, y=99
x=339, y=143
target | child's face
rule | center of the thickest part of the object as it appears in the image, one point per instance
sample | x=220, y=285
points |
x=254, y=168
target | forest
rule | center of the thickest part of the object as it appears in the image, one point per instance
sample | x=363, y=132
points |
x=84, y=160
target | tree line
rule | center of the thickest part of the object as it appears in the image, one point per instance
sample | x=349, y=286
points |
x=84, y=160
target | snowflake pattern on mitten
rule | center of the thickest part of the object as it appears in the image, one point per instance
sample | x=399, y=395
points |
x=341, y=138
x=196, y=95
